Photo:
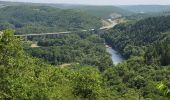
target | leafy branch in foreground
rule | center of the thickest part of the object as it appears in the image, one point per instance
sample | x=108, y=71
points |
x=164, y=89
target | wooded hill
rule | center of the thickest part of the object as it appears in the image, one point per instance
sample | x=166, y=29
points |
x=99, y=11
x=134, y=39
x=40, y=19
x=146, y=8
x=36, y=73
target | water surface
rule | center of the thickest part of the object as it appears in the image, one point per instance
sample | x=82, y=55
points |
x=116, y=57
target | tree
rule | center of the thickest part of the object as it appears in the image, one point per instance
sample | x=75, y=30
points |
x=164, y=89
x=87, y=83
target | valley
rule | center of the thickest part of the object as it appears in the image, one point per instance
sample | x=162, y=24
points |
x=54, y=51
x=116, y=57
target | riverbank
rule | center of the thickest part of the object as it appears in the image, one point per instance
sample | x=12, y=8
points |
x=115, y=56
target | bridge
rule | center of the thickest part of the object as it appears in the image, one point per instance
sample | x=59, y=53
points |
x=41, y=34
x=56, y=33
x=110, y=24
x=44, y=35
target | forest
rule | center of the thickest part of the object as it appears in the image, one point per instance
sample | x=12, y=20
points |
x=76, y=66
x=83, y=48
x=38, y=19
x=149, y=38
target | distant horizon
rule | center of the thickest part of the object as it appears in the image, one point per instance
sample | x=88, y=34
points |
x=86, y=4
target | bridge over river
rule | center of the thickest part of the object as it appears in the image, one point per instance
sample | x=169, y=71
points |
x=115, y=56
x=55, y=33
x=110, y=24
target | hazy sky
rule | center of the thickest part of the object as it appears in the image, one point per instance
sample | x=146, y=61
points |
x=100, y=2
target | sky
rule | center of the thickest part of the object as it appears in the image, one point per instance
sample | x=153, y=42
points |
x=100, y=2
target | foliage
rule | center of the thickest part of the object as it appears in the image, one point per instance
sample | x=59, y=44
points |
x=39, y=19
x=146, y=8
x=23, y=77
x=104, y=11
x=135, y=79
x=148, y=37
x=82, y=48
x=90, y=75
x=164, y=89
x=145, y=44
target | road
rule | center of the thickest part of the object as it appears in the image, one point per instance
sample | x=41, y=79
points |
x=41, y=34
x=107, y=24
x=110, y=24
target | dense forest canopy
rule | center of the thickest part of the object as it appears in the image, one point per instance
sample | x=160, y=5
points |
x=147, y=61
x=146, y=45
x=99, y=11
x=104, y=11
x=140, y=16
x=38, y=19
x=76, y=66
x=83, y=48
x=24, y=77
x=141, y=38
x=146, y=8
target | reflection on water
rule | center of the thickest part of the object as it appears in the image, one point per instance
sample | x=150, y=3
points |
x=116, y=57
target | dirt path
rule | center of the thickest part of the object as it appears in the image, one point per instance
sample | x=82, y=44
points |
x=34, y=45
x=64, y=65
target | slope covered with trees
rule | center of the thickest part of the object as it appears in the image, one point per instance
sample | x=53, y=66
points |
x=146, y=45
x=99, y=11
x=146, y=8
x=104, y=11
x=24, y=77
x=36, y=73
x=148, y=37
x=84, y=48
x=39, y=19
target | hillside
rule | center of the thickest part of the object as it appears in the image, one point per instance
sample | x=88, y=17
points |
x=83, y=48
x=38, y=19
x=81, y=65
x=100, y=11
x=140, y=16
x=146, y=8
x=25, y=77
x=134, y=39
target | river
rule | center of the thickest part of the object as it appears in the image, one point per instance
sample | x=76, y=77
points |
x=116, y=57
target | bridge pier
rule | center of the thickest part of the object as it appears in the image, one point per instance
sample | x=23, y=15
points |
x=26, y=38
x=43, y=37
x=1, y=33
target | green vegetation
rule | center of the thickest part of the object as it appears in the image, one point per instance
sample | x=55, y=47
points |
x=148, y=38
x=136, y=80
x=23, y=77
x=140, y=16
x=104, y=11
x=146, y=45
x=99, y=11
x=82, y=48
x=146, y=8
x=164, y=89
x=38, y=73
x=39, y=19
